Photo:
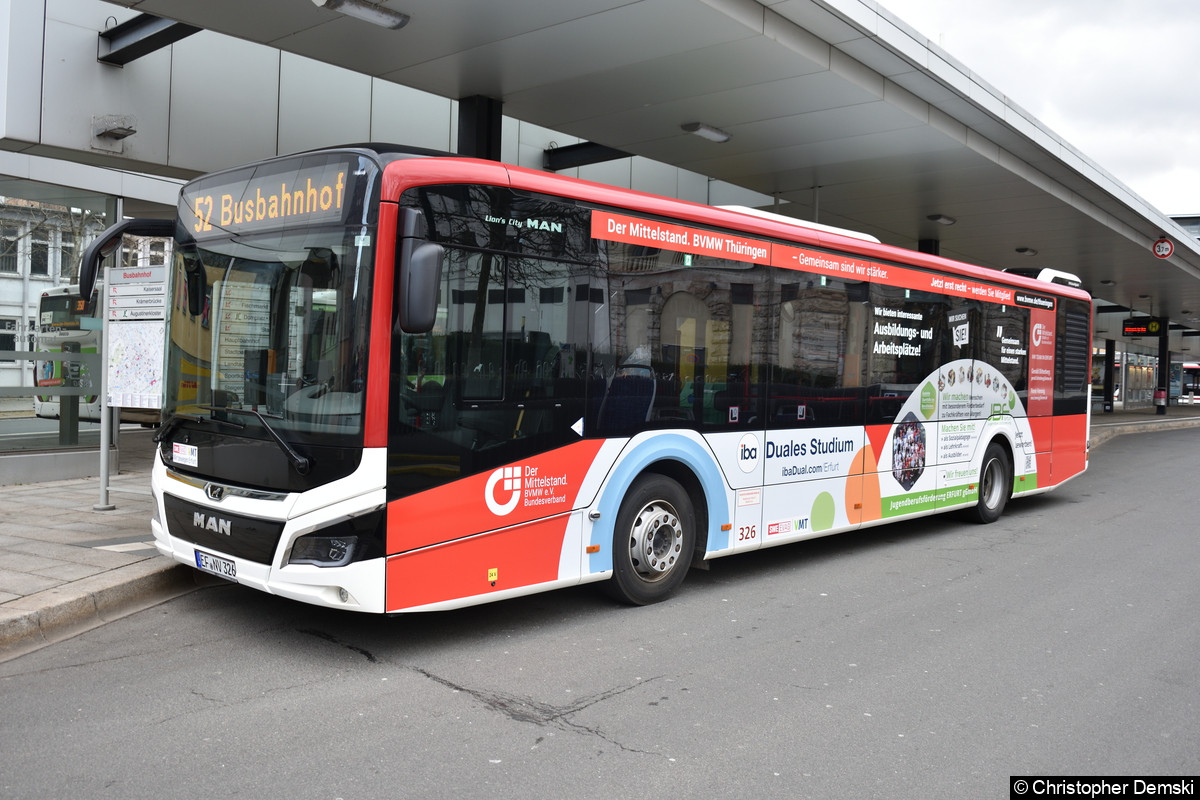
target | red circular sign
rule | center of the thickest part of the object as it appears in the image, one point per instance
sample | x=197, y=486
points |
x=1163, y=248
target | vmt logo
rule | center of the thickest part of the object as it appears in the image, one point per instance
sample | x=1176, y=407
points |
x=511, y=478
x=748, y=453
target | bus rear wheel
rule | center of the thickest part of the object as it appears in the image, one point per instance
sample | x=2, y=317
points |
x=995, y=484
x=653, y=541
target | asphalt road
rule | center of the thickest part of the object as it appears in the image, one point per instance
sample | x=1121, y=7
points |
x=931, y=659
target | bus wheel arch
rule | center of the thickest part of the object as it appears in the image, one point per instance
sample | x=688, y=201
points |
x=659, y=530
x=995, y=481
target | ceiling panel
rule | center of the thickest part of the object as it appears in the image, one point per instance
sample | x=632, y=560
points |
x=700, y=73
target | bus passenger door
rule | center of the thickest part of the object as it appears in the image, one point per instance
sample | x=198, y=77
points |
x=920, y=384
x=968, y=394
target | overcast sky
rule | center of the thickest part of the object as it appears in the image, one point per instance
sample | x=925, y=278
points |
x=1117, y=79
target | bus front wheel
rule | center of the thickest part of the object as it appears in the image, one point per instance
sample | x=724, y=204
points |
x=653, y=541
x=995, y=484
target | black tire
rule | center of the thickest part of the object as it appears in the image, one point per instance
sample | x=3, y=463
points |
x=995, y=484
x=653, y=540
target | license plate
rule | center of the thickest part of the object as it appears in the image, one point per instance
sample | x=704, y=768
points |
x=217, y=566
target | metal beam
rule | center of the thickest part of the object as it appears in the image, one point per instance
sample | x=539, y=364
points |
x=579, y=155
x=139, y=36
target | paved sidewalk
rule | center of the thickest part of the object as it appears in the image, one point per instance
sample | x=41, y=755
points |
x=66, y=568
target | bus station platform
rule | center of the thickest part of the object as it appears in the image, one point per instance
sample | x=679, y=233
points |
x=66, y=568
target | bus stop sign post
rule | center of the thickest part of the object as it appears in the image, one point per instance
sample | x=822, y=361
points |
x=104, y=245
x=1163, y=248
x=105, y=421
x=135, y=310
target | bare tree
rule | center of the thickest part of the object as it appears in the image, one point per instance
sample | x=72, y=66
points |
x=35, y=223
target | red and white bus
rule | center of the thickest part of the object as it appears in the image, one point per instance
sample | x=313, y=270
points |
x=399, y=382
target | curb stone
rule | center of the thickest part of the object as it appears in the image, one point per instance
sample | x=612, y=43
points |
x=53, y=615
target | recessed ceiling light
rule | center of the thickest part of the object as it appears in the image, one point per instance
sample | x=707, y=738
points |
x=941, y=219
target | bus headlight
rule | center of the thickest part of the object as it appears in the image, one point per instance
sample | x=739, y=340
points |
x=335, y=545
x=323, y=551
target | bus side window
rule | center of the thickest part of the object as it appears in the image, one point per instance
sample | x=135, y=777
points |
x=908, y=341
x=1001, y=324
x=628, y=400
x=819, y=337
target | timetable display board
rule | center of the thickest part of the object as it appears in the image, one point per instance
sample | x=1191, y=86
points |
x=135, y=312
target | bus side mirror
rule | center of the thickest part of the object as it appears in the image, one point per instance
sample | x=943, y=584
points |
x=418, y=274
x=107, y=242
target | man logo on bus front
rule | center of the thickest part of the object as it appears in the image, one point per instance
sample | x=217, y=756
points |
x=511, y=478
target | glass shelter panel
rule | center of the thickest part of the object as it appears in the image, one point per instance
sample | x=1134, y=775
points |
x=35, y=219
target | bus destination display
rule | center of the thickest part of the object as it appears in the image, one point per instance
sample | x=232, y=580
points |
x=306, y=193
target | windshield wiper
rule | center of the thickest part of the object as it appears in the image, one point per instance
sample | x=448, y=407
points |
x=301, y=463
x=173, y=423
x=170, y=425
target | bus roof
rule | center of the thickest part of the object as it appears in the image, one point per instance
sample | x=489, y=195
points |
x=803, y=223
x=425, y=165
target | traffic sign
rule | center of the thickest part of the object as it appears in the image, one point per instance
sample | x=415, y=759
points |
x=1164, y=248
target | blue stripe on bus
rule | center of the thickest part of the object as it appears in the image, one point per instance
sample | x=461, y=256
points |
x=663, y=447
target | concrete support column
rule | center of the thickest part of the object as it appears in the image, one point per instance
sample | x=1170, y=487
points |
x=1164, y=368
x=479, y=127
x=1110, y=379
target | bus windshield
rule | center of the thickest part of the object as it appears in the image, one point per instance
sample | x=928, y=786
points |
x=281, y=332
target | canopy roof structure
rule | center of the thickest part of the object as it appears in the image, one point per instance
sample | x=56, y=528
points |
x=836, y=108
